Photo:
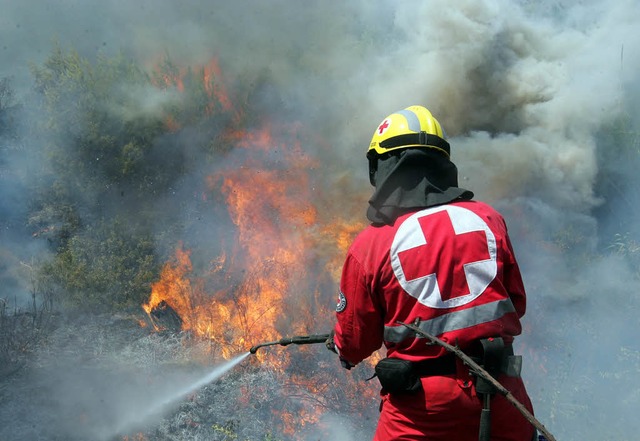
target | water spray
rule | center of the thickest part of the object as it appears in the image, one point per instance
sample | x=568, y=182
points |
x=218, y=371
x=297, y=340
x=174, y=396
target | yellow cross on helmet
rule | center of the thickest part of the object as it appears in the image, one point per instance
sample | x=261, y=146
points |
x=412, y=127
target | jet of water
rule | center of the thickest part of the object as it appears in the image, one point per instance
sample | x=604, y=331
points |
x=160, y=405
x=218, y=372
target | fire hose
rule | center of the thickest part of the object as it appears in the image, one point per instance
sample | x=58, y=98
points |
x=297, y=340
x=475, y=367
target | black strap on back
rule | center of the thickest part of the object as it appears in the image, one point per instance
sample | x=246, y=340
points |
x=493, y=351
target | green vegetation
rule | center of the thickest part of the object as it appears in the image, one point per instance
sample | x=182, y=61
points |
x=109, y=149
x=104, y=266
x=7, y=108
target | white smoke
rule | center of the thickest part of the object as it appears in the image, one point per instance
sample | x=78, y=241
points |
x=527, y=91
x=526, y=95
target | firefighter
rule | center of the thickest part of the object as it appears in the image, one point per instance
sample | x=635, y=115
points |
x=433, y=257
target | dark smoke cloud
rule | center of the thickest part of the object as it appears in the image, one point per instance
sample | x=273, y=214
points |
x=526, y=90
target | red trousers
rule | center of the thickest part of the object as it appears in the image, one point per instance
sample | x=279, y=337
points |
x=448, y=409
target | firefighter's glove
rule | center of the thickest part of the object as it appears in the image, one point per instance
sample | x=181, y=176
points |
x=346, y=364
x=331, y=345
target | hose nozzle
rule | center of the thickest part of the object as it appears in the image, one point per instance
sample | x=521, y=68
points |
x=297, y=340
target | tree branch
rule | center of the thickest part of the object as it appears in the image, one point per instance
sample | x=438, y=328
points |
x=476, y=368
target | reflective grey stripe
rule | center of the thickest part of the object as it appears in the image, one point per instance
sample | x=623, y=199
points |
x=452, y=321
x=412, y=119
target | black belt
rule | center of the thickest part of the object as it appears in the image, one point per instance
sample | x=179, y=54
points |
x=446, y=364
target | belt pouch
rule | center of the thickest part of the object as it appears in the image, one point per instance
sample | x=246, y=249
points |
x=397, y=376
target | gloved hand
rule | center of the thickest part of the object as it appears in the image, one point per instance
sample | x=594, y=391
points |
x=346, y=364
x=331, y=345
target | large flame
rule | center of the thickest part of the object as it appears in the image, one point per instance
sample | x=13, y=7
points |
x=277, y=237
x=280, y=275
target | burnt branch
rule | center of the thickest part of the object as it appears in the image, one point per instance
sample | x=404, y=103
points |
x=477, y=369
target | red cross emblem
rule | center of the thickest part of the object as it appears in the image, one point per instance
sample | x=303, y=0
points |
x=444, y=256
x=384, y=126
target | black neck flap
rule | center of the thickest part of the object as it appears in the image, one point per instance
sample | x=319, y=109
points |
x=411, y=180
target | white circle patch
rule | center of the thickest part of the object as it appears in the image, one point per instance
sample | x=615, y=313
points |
x=342, y=302
x=419, y=278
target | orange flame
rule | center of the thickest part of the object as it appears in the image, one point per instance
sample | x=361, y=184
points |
x=286, y=249
x=205, y=83
x=174, y=286
x=277, y=234
x=212, y=79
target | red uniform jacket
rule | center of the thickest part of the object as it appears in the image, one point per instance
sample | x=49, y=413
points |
x=450, y=269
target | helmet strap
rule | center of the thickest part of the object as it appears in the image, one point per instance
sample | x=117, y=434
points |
x=420, y=138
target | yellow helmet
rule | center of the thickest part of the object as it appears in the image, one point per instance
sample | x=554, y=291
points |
x=414, y=126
